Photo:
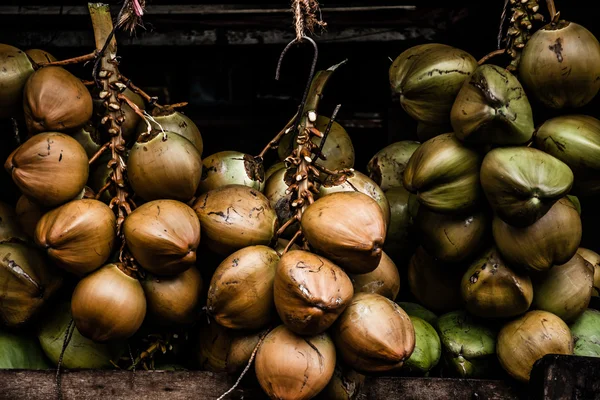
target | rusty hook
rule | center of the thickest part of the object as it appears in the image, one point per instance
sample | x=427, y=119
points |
x=310, y=77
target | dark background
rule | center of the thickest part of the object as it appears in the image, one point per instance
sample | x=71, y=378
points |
x=222, y=60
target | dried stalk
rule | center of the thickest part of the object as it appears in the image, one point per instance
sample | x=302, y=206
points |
x=74, y=60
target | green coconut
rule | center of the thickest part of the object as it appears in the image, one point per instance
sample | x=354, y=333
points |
x=81, y=352
x=523, y=183
x=428, y=347
x=586, y=334
x=404, y=206
x=492, y=108
x=469, y=346
x=386, y=168
x=231, y=168
x=428, y=77
x=21, y=351
x=417, y=310
x=16, y=69
x=575, y=140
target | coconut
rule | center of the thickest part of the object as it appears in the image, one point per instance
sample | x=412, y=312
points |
x=16, y=69
x=594, y=259
x=78, y=236
x=428, y=77
x=453, y=238
x=428, y=348
x=81, y=352
x=433, y=283
x=100, y=176
x=27, y=283
x=404, y=206
x=522, y=183
x=560, y=65
x=241, y=349
x=575, y=140
x=564, y=290
x=240, y=295
x=469, y=346
x=492, y=108
x=345, y=384
x=55, y=100
x=386, y=168
x=167, y=119
x=552, y=240
x=231, y=168
x=586, y=334
x=10, y=229
x=310, y=292
x=108, y=304
x=50, y=168
x=214, y=343
x=417, y=310
x=164, y=166
x=234, y=217
x=89, y=138
x=294, y=367
x=352, y=239
x=357, y=182
x=174, y=299
x=40, y=56
x=28, y=214
x=444, y=175
x=491, y=289
x=275, y=190
x=21, y=351
x=374, y=334
x=163, y=236
x=576, y=203
x=338, y=149
x=383, y=280
x=272, y=169
x=530, y=337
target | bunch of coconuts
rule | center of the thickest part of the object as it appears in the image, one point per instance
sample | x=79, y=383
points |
x=64, y=271
x=498, y=219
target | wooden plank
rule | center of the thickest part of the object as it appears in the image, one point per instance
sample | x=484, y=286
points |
x=154, y=385
x=559, y=377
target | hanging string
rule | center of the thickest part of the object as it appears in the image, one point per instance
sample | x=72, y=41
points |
x=305, y=17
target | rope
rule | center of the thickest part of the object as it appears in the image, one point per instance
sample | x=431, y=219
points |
x=305, y=17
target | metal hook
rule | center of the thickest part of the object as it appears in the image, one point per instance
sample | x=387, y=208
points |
x=310, y=77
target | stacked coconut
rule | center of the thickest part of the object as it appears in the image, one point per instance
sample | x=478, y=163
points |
x=498, y=223
x=63, y=268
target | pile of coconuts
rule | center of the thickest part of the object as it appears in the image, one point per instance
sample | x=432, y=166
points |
x=480, y=219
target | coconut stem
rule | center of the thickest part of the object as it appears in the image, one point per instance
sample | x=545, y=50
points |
x=275, y=141
x=292, y=240
x=99, y=152
x=149, y=99
x=74, y=60
x=245, y=371
x=491, y=55
x=551, y=9
x=108, y=77
x=102, y=190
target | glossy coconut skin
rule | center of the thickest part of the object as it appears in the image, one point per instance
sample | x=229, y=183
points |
x=552, y=240
x=163, y=236
x=444, y=174
x=50, y=168
x=176, y=122
x=428, y=77
x=575, y=140
x=560, y=65
x=594, y=259
x=240, y=295
x=78, y=236
x=293, y=367
x=383, y=280
x=523, y=183
x=353, y=240
x=400, y=235
x=374, y=334
x=231, y=168
x=55, y=100
x=28, y=282
x=528, y=338
x=491, y=289
x=310, y=292
x=16, y=70
x=234, y=217
x=108, y=305
x=386, y=168
x=40, y=56
x=175, y=299
x=492, y=108
x=164, y=166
